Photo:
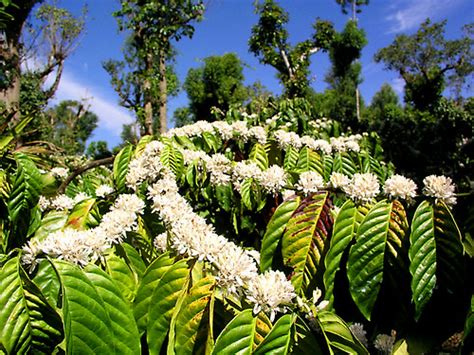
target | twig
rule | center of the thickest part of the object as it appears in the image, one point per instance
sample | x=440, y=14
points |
x=78, y=171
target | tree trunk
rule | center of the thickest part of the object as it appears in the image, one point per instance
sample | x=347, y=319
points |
x=148, y=107
x=10, y=54
x=358, y=104
x=163, y=93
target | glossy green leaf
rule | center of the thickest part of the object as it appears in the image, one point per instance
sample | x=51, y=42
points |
x=238, y=336
x=27, y=322
x=251, y=194
x=163, y=302
x=87, y=325
x=123, y=276
x=305, y=241
x=51, y=222
x=192, y=322
x=422, y=255
x=274, y=232
x=120, y=169
x=278, y=340
x=259, y=156
x=141, y=145
x=135, y=261
x=79, y=217
x=309, y=160
x=344, y=231
x=365, y=266
x=338, y=335
x=149, y=282
x=291, y=158
x=173, y=159
x=344, y=164
x=26, y=188
x=304, y=340
x=47, y=281
x=122, y=323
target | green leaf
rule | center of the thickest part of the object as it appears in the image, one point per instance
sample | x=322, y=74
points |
x=47, y=281
x=422, y=255
x=141, y=145
x=309, y=160
x=338, y=335
x=192, y=322
x=51, y=222
x=211, y=141
x=344, y=164
x=251, y=194
x=469, y=325
x=123, y=276
x=172, y=158
x=27, y=322
x=87, y=325
x=120, y=169
x=238, y=336
x=164, y=298
x=305, y=241
x=344, y=231
x=25, y=190
x=122, y=324
x=291, y=158
x=278, y=340
x=149, y=282
x=80, y=216
x=274, y=232
x=259, y=156
x=365, y=265
x=135, y=261
x=304, y=339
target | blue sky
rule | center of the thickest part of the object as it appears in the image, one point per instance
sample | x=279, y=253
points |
x=226, y=28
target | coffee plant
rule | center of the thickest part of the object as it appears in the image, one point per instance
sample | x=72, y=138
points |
x=228, y=237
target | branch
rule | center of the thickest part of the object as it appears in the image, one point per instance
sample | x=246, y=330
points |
x=310, y=52
x=287, y=63
x=78, y=171
x=50, y=92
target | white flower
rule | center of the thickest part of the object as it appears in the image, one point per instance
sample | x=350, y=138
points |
x=60, y=172
x=270, y=292
x=398, y=186
x=259, y=134
x=273, y=179
x=359, y=332
x=225, y=130
x=441, y=188
x=338, y=180
x=115, y=224
x=161, y=242
x=246, y=170
x=129, y=203
x=220, y=170
x=310, y=181
x=240, y=128
x=384, y=343
x=363, y=187
x=286, y=139
x=235, y=268
x=81, y=196
x=103, y=190
x=62, y=202
x=338, y=144
x=43, y=203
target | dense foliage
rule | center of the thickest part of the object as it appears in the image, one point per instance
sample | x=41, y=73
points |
x=224, y=237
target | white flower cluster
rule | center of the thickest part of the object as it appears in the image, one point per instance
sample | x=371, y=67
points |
x=384, y=343
x=309, y=182
x=270, y=292
x=441, y=188
x=103, y=190
x=83, y=246
x=344, y=144
x=273, y=179
x=398, y=186
x=189, y=234
x=363, y=187
x=339, y=181
x=357, y=329
x=61, y=202
x=146, y=166
x=59, y=172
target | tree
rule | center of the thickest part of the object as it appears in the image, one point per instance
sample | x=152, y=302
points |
x=217, y=83
x=17, y=13
x=98, y=150
x=129, y=78
x=154, y=25
x=47, y=41
x=269, y=43
x=353, y=4
x=428, y=63
x=70, y=124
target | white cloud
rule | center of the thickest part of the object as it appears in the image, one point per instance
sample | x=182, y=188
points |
x=111, y=116
x=398, y=84
x=408, y=14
